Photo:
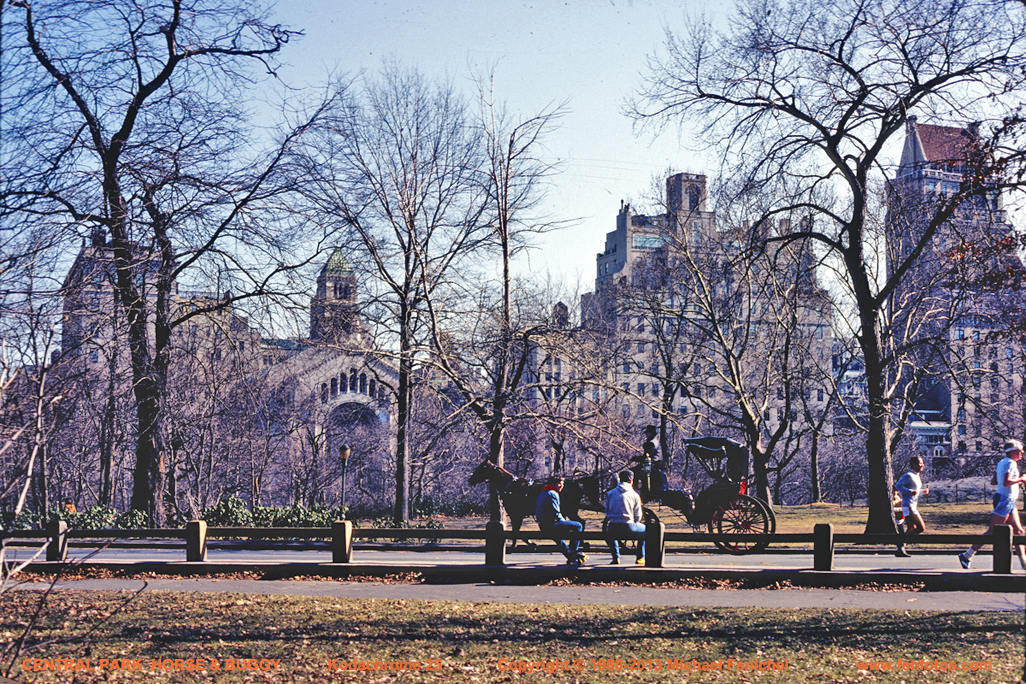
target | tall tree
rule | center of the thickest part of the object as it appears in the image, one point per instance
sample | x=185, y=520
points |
x=494, y=334
x=124, y=118
x=398, y=162
x=805, y=99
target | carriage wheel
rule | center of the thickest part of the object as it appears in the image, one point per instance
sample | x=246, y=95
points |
x=741, y=515
x=771, y=514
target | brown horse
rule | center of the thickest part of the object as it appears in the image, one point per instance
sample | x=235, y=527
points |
x=519, y=496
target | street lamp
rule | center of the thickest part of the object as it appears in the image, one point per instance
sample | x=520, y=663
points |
x=343, y=455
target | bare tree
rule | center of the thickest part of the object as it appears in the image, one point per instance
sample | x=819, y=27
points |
x=497, y=325
x=805, y=98
x=129, y=124
x=397, y=163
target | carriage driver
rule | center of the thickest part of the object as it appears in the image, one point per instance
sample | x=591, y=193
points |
x=649, y=474
x=551, y=521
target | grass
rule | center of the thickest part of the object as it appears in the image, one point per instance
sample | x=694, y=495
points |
x=308, y=640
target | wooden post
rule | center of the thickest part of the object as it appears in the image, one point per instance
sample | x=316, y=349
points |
x=1003, y=549
x=57, y=550
x=655, y=544
x=495, y=543
x=342, y=541
x=196, y=541
x=823, y=547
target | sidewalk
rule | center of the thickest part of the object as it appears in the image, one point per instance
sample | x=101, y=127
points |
x=948, y=601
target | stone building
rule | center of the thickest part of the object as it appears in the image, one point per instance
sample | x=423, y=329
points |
x=230, y=389
x=704, y=339
x=963, y=291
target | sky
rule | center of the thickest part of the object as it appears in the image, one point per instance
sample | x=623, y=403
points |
x=589, y=53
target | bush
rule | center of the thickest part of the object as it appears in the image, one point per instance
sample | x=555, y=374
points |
x=95, y=518
x=230, y=512
x=296, y=516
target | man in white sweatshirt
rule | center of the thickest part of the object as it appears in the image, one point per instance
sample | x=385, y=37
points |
x=626, y=520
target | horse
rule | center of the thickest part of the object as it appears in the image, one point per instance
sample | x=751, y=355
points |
x=519, y=496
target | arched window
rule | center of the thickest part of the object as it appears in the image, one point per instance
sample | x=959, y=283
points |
x=373, y=389
x=352, y=379
x=694, y=198
x=363, y=383
x=324, y=393
x=343, y=384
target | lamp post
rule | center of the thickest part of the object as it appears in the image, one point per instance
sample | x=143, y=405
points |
x=343, y=455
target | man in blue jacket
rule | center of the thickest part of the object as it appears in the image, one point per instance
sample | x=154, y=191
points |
x=551, y=521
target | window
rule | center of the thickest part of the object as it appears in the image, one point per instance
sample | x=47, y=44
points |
x=959, y=334
x=976, y=335
x=324, y=393
x=647, y=241
x=334, y=387
x=641, y=389
x=819, y=395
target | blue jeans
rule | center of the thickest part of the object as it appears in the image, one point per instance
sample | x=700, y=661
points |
x=617, y=531
x=557, y=529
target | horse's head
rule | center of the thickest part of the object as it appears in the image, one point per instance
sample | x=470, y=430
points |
x=591, y=489
x=482, y=473
x=583, y=491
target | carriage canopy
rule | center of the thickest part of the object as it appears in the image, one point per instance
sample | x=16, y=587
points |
x=723, y=459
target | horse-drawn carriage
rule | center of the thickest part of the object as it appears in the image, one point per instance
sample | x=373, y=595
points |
x=724, y=507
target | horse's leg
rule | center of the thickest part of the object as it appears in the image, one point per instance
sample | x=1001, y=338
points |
x=576, y=517
x=516, y=523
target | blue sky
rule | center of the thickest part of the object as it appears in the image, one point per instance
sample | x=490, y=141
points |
x=590, y=53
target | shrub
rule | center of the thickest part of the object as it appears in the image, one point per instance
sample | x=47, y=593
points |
x=296, y=516
x=230, y=512
x=95, y=518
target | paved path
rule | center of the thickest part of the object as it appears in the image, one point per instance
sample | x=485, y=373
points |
x=864, y=561
x=614, y=595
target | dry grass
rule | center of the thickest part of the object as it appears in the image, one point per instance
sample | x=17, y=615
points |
x=303, y=639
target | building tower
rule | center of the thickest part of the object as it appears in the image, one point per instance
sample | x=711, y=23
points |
x=333, y=313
